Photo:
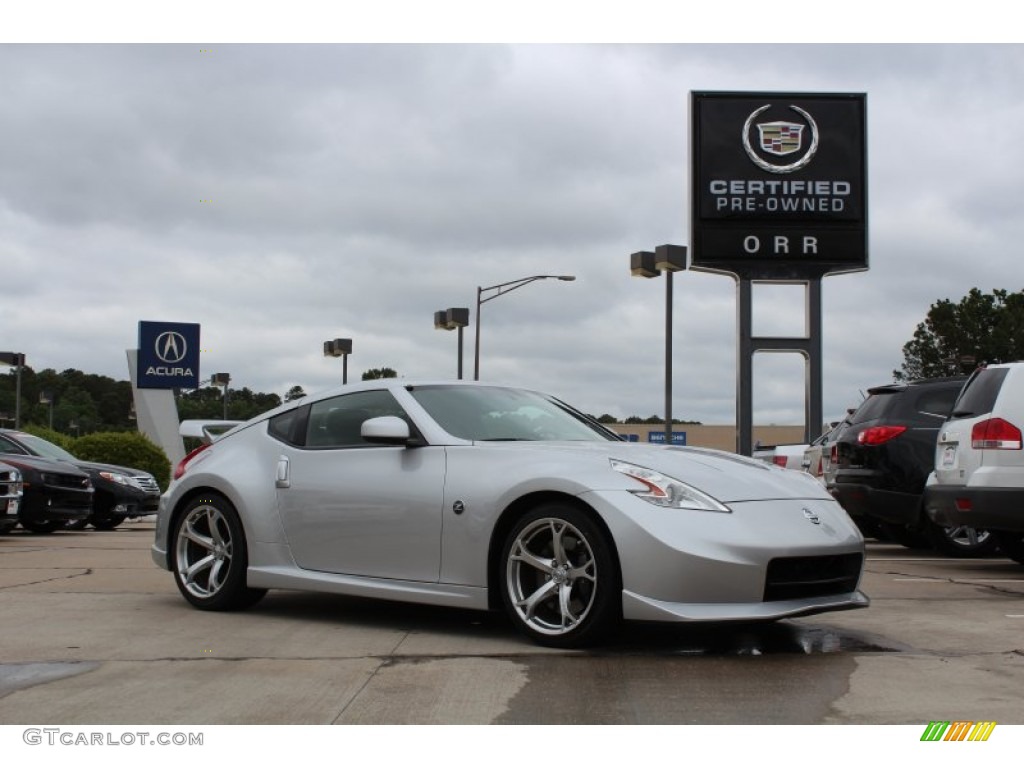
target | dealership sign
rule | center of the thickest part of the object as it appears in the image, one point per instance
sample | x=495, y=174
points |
x=779, y=184
x=168, y=355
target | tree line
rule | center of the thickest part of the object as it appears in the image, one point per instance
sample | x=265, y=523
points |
x=955, y=338
x=76, y=403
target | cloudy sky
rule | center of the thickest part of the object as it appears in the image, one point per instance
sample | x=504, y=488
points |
x=284, y=194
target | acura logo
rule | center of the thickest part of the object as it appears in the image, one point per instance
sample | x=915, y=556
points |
x=170, y=347
x=781, y=138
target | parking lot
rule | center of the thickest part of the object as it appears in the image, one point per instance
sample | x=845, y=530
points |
x=93, y=632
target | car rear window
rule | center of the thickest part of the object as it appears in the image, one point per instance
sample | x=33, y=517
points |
x=937, y=402
x=876, y=406
x=980, y=393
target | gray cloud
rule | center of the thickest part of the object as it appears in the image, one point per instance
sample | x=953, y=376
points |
x=285, y=194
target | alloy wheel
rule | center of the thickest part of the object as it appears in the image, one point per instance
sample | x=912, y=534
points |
x=551, y=576
x=204, y=551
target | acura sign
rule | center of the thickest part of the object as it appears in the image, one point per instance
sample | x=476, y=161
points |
x=779, y=184
x=168, y=355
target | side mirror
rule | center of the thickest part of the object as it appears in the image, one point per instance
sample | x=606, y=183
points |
x=385, y=430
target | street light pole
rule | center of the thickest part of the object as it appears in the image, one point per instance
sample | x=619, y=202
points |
x=15, y=359
x=222, y=380
x=339, y=348
x=451, y=319
x=500, y=290
x=667, y=259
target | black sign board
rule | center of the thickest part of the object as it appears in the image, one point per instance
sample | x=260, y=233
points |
x=779, y=184
x=168, y=355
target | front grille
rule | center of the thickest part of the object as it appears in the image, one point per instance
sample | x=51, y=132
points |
x=61, y=480
x=10, y=485
x=794, y=578
x=147, y=483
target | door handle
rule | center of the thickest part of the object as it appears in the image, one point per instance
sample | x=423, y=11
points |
x=282, y=480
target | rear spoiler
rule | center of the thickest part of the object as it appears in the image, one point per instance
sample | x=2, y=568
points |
x=206, y=430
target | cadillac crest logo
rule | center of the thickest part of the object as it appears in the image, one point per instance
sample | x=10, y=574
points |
x=781, y=139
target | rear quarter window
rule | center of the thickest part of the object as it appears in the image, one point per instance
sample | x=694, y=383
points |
x=980, y=393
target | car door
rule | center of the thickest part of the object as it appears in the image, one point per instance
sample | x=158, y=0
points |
x=354, y=508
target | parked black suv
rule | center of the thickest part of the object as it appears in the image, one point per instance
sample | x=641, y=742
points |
x=120, y=492
x=882, y=460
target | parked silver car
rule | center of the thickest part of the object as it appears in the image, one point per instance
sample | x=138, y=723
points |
x=482, y=497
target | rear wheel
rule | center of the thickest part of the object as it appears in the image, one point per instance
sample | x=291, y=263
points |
x=560, y=584
x=960, y=540
x=911, y=538
x=209, y=557
x=107, y=523
x=42, y=526
x=1011, y=543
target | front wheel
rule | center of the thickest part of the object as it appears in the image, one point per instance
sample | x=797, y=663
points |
x=209, y=556
x=1011, y=543
x=560, y=583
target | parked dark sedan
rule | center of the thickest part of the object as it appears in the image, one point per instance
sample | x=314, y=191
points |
x=54, y=492
x=120, y=492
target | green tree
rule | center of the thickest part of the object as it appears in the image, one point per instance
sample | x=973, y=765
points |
x=380, y=373
x=954, y=338
x=295, y=393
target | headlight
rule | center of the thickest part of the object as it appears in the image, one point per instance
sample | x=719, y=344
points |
x=116, y=477
x=664, y=491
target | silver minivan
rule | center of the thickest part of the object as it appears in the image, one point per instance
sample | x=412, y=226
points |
x=979, y=459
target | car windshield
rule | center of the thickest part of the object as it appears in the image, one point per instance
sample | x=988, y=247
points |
x=45, y=448
x=499, y=413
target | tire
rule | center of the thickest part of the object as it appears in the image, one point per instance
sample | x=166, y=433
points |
x=209, y=557
x=559, y=578
x=1011, y=543
x=870, y=528
x=960, y=540
x=42, y=526
x=107, y=523
x=911, y=538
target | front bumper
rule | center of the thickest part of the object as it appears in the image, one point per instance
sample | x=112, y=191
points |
x=765, y=560
x=998, y=509
x=55, y=503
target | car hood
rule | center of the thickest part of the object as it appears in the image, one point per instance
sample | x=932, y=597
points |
x=94, y=466
x=727, y=477
x=40, y=464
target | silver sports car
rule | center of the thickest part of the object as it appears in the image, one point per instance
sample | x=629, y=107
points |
x=483, y=497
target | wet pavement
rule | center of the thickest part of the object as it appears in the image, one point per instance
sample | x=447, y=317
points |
x=94, y=633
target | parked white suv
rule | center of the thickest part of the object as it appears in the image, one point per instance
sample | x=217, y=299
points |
x=979, y=459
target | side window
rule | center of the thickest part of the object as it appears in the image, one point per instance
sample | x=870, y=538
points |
x=290, y=427
x=335, y=423
x=6, y=446
x=937, y=402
